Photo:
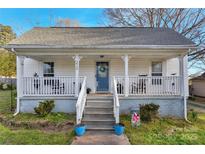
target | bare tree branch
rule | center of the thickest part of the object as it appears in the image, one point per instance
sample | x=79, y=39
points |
x=188, y=22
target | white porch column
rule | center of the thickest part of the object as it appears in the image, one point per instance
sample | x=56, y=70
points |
x=77, y=59
x=183, y=77
x=126, y=69
x=19, y=75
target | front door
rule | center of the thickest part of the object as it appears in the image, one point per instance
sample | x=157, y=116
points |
x=102, y=76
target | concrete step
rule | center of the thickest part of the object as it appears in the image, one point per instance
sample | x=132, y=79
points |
x=99, y=121
x=102, y=119
x=100, y=127
x=100, y=97
x=88, y=122
x=98, y=112
x=95, y=105
x=99, y=103
x=98, y=109
x=93, y=102
x=100, y=116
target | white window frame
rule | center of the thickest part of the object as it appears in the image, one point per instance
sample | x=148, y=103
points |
x=157, y=72
x=48, y=74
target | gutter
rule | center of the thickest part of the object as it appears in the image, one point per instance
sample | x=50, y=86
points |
x=38, y=46
x=18, y=100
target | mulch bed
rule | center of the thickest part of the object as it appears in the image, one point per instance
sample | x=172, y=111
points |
x=40, y=124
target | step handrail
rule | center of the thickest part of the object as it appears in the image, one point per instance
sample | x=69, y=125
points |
x=80, y=105
x=116, y=105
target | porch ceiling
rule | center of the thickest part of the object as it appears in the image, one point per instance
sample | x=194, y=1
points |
x=107, y=53
x=99, y=57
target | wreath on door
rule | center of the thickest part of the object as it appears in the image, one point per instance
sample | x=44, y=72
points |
x=102, y=68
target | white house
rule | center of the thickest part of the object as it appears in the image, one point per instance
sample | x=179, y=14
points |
x=123, y=67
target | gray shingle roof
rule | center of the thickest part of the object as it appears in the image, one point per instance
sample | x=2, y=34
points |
x=99, y=36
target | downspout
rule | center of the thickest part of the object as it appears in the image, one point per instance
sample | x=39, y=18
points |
x=17, y=98
x=185, y=86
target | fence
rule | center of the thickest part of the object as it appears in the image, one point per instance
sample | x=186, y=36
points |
x=7, y=94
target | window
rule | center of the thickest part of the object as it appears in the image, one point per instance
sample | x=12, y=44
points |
x=48, y=69
x=156, y=71
x=156, y=68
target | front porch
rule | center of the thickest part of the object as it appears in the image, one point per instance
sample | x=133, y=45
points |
x=67, y=79
x=134, y=75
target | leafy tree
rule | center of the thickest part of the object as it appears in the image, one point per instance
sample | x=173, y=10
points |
x=188, y=22
x=7, y=59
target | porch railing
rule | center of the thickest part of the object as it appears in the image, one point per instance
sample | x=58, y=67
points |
x=80, y=105
x=50, y=86
x=116, y=105
x=150, y=85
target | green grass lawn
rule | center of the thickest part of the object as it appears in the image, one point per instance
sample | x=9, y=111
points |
x=5, y=100
x=166, y=131
x=34, y=137
x=21, y=135
x=53, y=117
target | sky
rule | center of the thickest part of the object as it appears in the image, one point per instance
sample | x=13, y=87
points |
x=22, y=20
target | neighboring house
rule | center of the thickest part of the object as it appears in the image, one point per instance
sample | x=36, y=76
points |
x=197, y=85
x=131, y=66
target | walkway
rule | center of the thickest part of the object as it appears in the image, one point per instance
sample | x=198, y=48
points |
x=101, y=138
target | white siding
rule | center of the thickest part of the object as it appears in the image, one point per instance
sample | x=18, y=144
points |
x=65, y=67
x=172, y=66
x=139, y=67
x=87, y=68
x=31, y=66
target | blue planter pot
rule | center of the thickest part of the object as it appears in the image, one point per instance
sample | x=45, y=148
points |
x=119, y=129
x=80, y=129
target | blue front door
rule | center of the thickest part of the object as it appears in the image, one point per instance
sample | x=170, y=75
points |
x=102, y=76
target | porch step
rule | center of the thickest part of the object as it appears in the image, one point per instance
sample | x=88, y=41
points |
x=99, y=97
x=100, y=105
x=107, y=104
x=100, y=127
x=111, y=122
x=99, y=119
x=98, y=109
x=99, y=100
x=86, y=115
x=98, y=113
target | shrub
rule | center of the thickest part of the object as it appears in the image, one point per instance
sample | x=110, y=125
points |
x=5, y=86
x=44, y=108
x=193, y=115
x=148, y=112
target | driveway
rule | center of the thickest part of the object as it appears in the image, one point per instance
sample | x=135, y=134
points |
x=101, y=138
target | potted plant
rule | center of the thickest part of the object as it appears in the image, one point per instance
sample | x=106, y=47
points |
x=80, y=129
x=119, y=128
x=88, y=90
